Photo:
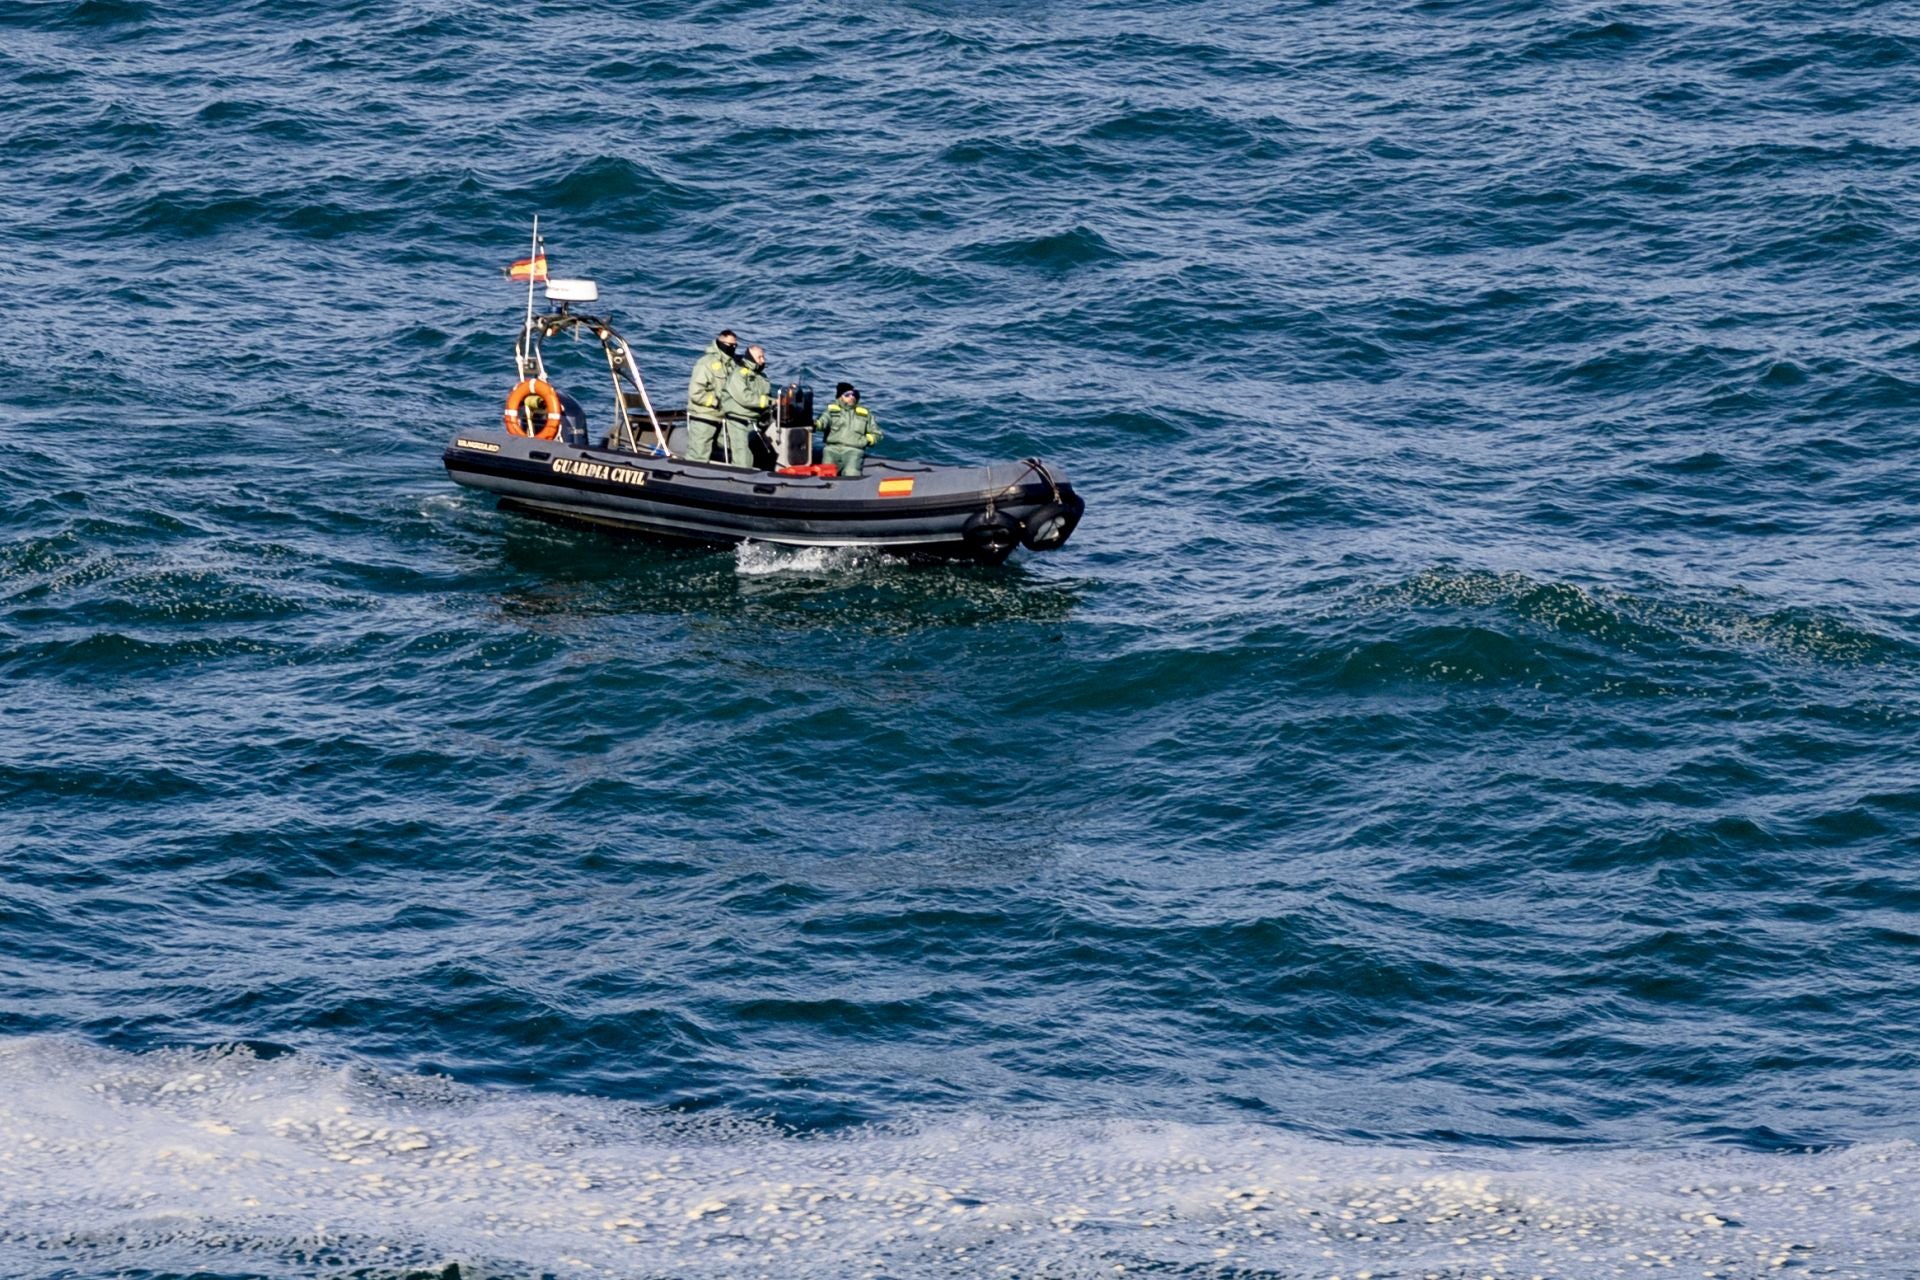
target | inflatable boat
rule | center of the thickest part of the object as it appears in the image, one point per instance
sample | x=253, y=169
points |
x=545, y=459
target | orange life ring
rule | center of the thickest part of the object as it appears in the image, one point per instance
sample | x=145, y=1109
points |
x=518, y=396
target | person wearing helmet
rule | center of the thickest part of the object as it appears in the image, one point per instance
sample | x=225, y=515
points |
x=746, y=401
x=703, y=394
x=851, y=430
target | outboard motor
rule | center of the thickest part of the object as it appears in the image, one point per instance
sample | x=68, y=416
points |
x=793, y=426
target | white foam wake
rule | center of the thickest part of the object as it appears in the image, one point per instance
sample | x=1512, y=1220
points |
x=290, y=1166
x=761, y=559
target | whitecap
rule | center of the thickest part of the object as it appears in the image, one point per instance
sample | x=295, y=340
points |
x=297, y=1165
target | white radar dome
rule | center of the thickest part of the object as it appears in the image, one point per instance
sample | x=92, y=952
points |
x=572, y=291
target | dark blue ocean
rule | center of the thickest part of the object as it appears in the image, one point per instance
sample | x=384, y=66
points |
x=1452, y=811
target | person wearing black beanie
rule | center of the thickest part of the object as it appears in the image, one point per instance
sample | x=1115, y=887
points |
x=851, y=430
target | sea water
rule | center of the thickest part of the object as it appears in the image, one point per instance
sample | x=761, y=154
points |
x=1451, y=810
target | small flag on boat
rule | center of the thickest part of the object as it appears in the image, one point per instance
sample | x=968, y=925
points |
x=534, y=268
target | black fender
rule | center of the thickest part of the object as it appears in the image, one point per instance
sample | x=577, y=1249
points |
x=992, y=535
x=1049, y=527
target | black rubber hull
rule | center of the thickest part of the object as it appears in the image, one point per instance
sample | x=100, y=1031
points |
x=904, y=508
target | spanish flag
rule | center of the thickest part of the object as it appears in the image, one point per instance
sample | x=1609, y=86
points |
x=534, y=268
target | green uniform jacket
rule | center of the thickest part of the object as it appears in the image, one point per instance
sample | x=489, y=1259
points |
x=709, y=379
x=747, y=395
x=853, y=428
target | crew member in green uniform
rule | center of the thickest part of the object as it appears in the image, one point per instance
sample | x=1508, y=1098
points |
x=850, y=429
x=745, y=402
x=703, y=394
